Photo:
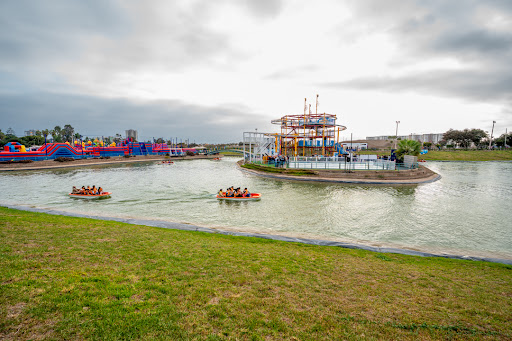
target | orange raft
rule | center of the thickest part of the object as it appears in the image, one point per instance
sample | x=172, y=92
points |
x=91, y=196
x=254, y=196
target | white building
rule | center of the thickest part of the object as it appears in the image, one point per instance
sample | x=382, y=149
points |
x=132, y=133
x=432, y=137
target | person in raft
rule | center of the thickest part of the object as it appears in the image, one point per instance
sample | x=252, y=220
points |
x=88, y=190
x=229, y=192
x=238, y=193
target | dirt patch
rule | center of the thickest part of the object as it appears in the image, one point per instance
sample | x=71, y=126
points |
x=14, y=311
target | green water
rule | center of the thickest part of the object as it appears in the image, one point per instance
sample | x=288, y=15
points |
x=467, y=212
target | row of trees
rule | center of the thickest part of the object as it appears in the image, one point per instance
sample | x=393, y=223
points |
x=57, y=134
x=469, y=138
x=465, y=138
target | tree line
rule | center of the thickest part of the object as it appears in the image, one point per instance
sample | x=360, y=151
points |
x=58, y=134
x=468, y=138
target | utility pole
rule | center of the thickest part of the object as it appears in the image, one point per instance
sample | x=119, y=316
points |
x=492, y=131
x=396, y=133
x=505, y=138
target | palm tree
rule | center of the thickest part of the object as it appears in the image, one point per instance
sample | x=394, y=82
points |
x=408, y=147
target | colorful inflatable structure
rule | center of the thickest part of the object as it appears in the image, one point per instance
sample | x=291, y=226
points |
x=89, y=149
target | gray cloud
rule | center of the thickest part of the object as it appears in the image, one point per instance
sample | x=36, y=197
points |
x=457, y=30
x=264, y=8
x=98, y=39
x=106, y=117
x=482, y=86
x=35, y=31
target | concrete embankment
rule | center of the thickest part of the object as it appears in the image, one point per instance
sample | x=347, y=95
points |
x=51, y=164
x=403, y=177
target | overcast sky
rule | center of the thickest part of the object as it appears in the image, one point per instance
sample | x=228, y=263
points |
x=209, y=70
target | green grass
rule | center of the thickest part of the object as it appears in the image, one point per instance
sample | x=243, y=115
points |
x=468, y=155
x=231, y=153
x=271, y=169
x=65, y=278
x=458, y=155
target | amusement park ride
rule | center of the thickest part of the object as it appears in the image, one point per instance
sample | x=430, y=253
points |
x=300, y=135
x=81, y=150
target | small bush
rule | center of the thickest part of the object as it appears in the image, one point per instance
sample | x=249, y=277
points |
x=15, y=161
x=189, y=153
x=64, y=159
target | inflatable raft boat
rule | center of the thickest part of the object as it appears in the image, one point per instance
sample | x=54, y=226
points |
x=254, y=196
x=90, y=196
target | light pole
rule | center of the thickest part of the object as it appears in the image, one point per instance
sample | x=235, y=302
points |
x=45, y=147
x=396, y=133
x=505, y=145
x=492, y=131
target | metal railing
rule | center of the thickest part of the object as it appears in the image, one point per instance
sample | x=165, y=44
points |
x=340, y=163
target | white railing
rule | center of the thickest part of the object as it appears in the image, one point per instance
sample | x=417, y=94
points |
x=340, y=163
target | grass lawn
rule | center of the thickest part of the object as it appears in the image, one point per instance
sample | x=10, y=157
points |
x=230, y=153
x=65, y=278
x=468, y=155
x=458, y=155
x=272, y=169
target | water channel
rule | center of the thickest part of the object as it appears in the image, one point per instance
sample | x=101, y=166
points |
x=467, y=212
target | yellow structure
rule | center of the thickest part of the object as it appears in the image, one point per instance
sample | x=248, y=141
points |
x=308, y=134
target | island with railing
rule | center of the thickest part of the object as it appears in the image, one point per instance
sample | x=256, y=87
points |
x=307, y=147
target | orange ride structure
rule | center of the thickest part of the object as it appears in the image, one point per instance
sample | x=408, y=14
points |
x=308, y=134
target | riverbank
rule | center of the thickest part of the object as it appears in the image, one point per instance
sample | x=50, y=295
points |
x=77, y=278
x=51, y=164
x=456, y=155
x=403, y=177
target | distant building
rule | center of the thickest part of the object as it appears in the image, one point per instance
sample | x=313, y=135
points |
x=30, y=132
x=354, y=145
x=132, y=133
x=432, y=138
x=375, y=138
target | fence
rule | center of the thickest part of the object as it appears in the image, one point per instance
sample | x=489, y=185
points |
x=340, y=163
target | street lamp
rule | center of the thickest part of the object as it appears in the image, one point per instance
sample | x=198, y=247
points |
x=396, y=133
x=45, y=147
x=492, y=131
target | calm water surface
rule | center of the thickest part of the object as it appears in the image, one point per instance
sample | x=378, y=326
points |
x=467, y=212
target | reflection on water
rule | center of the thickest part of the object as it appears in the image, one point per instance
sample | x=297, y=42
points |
x=467, y=211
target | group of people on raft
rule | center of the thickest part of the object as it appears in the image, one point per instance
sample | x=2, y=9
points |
x=88, y=190
x=232, y=192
